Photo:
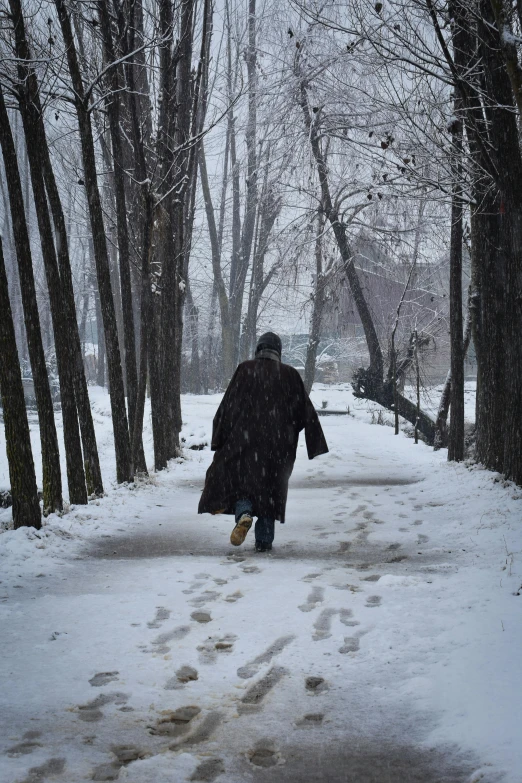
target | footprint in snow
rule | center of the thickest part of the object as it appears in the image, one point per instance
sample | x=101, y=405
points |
x=91, y=712
x=233, y=597
x=254, y=696
x=29, y=745
x=310, y=719
x=173, y=723
x=54, y=766
x=125, y=754
x=204, y=598
x=162, y=614
x=160, y=643
x=183, y=675
x=264, y=755
x=351, y=644
x=252, y=569
x=316, y=684
x=315, y=597
x=201, y=733
x=209, y=650
x=373, y=601
x=323, y=623
x=103, y=678
x=193, y=587
x=252, y=668
x=208, y=770
x=201, y=617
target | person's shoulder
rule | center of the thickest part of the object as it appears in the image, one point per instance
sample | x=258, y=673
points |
x=291, y=372
x=248, y=364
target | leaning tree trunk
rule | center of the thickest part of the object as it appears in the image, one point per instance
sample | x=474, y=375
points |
x=26, y=508
x=52, y=481
x=117, y=394
x=367, y=383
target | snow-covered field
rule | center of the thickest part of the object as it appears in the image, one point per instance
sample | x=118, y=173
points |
x=379, y=641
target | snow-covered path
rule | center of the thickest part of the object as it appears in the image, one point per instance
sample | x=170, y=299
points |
x=379, y=641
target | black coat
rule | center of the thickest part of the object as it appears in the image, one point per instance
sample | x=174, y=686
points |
x=255, y=434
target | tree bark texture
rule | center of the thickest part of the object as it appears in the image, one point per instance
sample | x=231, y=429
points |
x=26, y=507
x=317, y=311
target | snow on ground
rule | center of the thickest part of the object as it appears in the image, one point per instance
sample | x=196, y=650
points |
x=379, y=641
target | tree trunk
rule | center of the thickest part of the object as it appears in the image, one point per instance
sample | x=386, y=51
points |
x=117, y=395
x=115, y=82
x=26, y=508
x=376, y=368
x=100, y=367
x=34, y=142
x=195, y=369
x=441, y=437
x=52, y=481
x=172, y=279
x=456, y=430
x=317, y=312
x=237, y=289
x=90, y=448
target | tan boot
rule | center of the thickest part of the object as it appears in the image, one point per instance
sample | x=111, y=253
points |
x=241, y=529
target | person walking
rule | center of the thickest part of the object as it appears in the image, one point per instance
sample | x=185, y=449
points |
x=255, y=434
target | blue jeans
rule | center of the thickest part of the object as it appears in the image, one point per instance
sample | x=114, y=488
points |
x=264, y=528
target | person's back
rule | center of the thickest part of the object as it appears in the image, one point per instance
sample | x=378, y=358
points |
x=255, y=435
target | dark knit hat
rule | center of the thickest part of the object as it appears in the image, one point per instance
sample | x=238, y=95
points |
x=271, y=341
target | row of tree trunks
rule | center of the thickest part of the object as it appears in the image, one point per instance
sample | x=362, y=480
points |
x=52, y=482
x=487, y=88
x=63, y=307
x=26, y=507
x=124, y=469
